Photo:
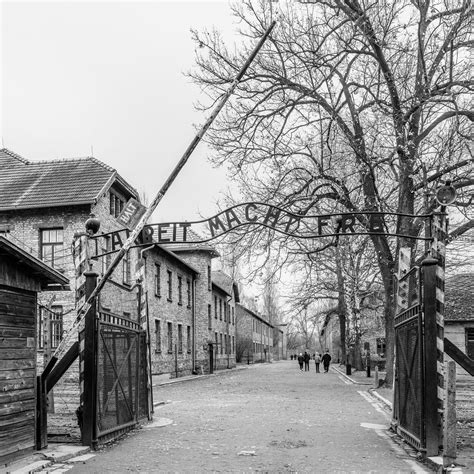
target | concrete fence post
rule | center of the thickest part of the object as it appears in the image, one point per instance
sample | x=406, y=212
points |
x=449, y=438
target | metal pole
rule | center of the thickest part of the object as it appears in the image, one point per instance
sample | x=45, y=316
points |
x=183, y=160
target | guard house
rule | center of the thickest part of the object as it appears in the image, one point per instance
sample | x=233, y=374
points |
x=22, y=276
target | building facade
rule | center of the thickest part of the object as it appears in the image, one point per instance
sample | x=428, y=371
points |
x=254, y=336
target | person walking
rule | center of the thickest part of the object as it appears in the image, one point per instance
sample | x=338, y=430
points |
x=326, y=359
x=300, y=361
x=317, y=361
x=307, y=358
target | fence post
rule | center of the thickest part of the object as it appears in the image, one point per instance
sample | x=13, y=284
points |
x=432, y=426
x=450, y=415
x=89, y=369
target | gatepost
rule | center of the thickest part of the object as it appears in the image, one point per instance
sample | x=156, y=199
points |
x=88, y=367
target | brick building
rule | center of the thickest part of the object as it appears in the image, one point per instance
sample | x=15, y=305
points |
x=254, y=336
x=222, y=321
x=169, y=285
x=44, y=203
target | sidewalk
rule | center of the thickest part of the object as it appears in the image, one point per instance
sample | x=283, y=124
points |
x=465, y=454
x=56, y=453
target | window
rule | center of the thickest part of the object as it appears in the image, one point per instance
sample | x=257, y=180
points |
x=158, y=280
x=188, y=338
x=209, y=281
x=233, y=344
x=225, y=342
x=188, y=291
x=180, y=338
x=225, y=311
x=209, y=316
x=170, y=338
x=220, y=309
x=180, y=290
x=55, y=316
x=170, y=285
x=126, y=269
x=215, y=307
x=158, y=336
x=381, y=346
x=51, y=246
x=470, y=342
x=116, y=204
x=217, y=343
x=222, y=347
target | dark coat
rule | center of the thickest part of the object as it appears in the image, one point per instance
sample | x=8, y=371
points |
x=326, y=359
x=300, y=359
x=307, y=357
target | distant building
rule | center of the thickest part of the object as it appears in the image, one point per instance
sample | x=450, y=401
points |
x=254, y=336
x=459, y=313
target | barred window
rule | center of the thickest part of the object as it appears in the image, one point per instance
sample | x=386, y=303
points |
x=189, y=339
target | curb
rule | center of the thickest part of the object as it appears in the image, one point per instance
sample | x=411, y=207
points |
x=48, y=457
x=386, y=402
x=197, y=377
x=339, y=371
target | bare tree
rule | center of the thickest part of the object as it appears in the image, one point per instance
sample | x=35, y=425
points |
x=343, y=110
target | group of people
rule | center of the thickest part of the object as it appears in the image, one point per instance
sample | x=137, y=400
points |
x=303, y=359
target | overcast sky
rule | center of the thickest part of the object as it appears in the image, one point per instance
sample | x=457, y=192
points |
x=109, y=75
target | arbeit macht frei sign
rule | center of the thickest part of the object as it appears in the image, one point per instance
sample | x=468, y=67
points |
x=250, y=214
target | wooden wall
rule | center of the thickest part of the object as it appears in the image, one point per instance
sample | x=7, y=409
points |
x=17, y=371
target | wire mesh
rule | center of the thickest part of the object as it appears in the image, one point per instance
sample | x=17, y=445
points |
x=409, y=378
x=118, y=377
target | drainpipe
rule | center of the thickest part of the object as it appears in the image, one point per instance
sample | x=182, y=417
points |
x=193, y=325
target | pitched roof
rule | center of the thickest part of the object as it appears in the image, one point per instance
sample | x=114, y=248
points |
x=459, y=297
x=225, y=282
x=35, y=184
x=189, y=246
x=254, y=314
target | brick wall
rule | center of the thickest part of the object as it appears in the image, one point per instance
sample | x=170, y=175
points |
x=201, y=260
x=163, y=311
x=249, y=326
x=223, y=327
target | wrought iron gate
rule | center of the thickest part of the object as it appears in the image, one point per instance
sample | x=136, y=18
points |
x=121, y=375
x=418, y=408
x=114, y=373
x=409, y=370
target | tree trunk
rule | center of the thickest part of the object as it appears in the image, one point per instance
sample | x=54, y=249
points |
x=341, y=305
x=389, y=312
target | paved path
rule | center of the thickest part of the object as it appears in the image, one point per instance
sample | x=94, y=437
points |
x=269, y=418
